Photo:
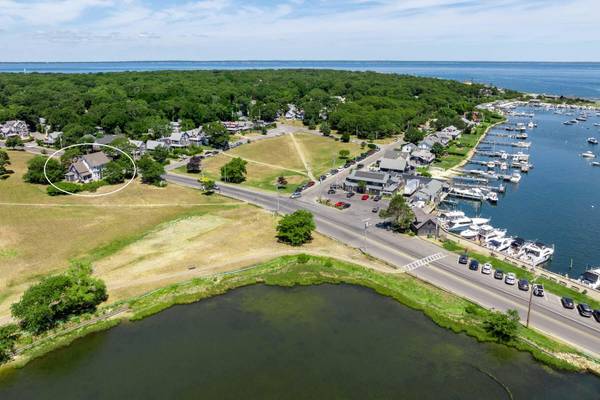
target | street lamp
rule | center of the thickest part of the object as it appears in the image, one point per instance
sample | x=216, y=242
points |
x=366, y=221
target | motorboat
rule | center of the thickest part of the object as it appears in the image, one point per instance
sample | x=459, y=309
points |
x=480, y=221
x=459, y=224
x=492, y=197
x=525, y=145
x=588, y=154
x=515, y=177
x=499, y=243
x=595, y=164
x=469, y=234
x=535, y=253
x=491, y=164
x=591, y=278
x=503, y=166
x=448, y=216
x=592, y=140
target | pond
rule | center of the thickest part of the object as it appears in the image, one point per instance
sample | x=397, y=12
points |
x=309, y=342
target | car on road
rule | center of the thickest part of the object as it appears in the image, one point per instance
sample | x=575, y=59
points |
x=331, y=191
x=364, y=197
x=538, y=290
x=523, y=285
x=474, y=265
x=498, y=274
x=349, y=194
x=295, y=195
x=486, y=268
x=375, y=210
x=322, y=177
x=310, y=184
x=359, y=166
x=567, y=303
x=346, y=205
x=339, y=204
x=463, y=259
x=596, y=314
x=510, y=279
x=334, y=171
x=584, y=310
x=376, y=198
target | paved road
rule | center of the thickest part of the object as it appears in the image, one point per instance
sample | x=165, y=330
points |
x=398, y=250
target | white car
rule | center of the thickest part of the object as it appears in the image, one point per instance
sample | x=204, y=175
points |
x=486, y=268
x=295, y=195
x=510, y=279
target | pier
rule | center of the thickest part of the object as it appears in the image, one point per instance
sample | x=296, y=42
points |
x=511, y=144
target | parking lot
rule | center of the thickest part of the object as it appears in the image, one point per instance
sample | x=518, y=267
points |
x=359, y=208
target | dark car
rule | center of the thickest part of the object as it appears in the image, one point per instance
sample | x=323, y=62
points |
x=375, y=209
x=349, y=194
x=463, y=259
x=499, y=274
x=524, y=284
x=310, y=184
x=474, y=265
x=331, y=191
x=584, y=310
x=359, y=166
x=346, y=205
x=596, y=314
x=567, y=303
x=334, y=171
x=376, y=198
x=322, y=177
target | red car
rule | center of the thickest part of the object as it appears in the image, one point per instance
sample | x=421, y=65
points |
x=310, y=183
x=365, y=197
x=339, y=204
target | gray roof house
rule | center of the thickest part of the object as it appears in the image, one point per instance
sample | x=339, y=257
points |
x=87, y=168
x=14, y=128
x=376, y=182
x=393, y=165
x=409, y=148
x=52, y=138
x=422, y=157
x=153, y=144
x=431, y=191
x=177, y=139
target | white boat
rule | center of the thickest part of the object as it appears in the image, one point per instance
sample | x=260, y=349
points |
x=588, y=154
x=448, y=216
x=491, y=164
x=503, y=166
x=535, y=253
x=503, y=155
x=591, y=278
x=597, y=124
x=592, y=140
x=515, y=177
x=469, y=234
x=530, y=125
x=499, y=243
x=595, y=164
x=459, y=225
x=525, y=145
x=480, y=221
x=492, y=197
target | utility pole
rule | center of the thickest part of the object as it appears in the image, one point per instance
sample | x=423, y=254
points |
x=366, y=221
x=530, y=301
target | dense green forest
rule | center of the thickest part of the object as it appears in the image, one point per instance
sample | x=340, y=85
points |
x=367, y=104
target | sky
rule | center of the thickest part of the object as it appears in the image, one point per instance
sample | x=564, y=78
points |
x=424, y=30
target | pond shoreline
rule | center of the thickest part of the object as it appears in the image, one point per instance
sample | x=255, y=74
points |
x=444, y=309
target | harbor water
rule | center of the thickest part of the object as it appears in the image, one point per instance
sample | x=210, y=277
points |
x=558, y=200
x=316, y=342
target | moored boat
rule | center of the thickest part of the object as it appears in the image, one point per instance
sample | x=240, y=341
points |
x=592, y=140
x=588, y=154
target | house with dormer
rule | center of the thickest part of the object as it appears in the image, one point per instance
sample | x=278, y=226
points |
x=87, y=168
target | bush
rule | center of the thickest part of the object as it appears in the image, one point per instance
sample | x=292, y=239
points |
x=8, y=336
x=503, y=327
x=296, y=228
x=303, y=258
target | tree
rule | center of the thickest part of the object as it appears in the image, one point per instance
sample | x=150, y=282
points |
x=344, y=154
x=55, y=298
x=345, y=137
x=194, y=165
x=35, y=170
x=281, y=181
x=208, y=185
x=151, y=171
x=14, y=141
x=399, y=213
x=69, y=155
x=160, y=154
x=118, y=170
x=325, y=128
x=362, y=186
x=234, y=171
x=8, y=336
x=218, y=137
x=296, y=228
x=503, y=326
x=4, y=161
x=414, y=135
x=437, y=150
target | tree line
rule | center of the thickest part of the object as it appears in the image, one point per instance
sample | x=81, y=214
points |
x=366, y=104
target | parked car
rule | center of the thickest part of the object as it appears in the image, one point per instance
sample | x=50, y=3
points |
x=364, y=197
x=486, y=268
x=339, y=204
x=331, y=191
x=538, y=290
x=310, y=184
x=524, y=285
x=376, y=198
x=295, y=195
x=375, y=210
x=359, y=166
x=474, y=265
x=322, y=177
x=584, y=310
x=596, y=314
x=334, y=171
x=346, y=205
x=567, y=303
x=499, y=274
x=463, y=259
x=349, y=194
x=510, y=279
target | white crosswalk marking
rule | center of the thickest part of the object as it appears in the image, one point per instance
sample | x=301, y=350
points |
x=421, y=262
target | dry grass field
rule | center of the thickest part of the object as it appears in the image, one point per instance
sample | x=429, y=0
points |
x=138, y=239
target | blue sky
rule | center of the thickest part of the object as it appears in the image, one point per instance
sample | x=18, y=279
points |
x=489, y=30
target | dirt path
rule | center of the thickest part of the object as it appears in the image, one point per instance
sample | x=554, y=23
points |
x=302, y=157
x=123, y=205
x=267, y=165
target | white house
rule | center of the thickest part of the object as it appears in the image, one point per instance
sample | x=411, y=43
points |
x=177, y=139
x=409, y=148
x=87, y=168
x=139, y=147
x=52, y=138
x=14, y=128
x=423, y=157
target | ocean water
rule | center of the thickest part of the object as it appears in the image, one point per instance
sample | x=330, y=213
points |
x=558, y=201
x=569, y=79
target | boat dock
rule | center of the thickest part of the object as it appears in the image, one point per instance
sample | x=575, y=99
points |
x=511, y=144
x=509, y=135
x=502, y=154
x=497, y=189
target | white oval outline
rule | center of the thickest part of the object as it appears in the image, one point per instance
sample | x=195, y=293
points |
x=91, y=195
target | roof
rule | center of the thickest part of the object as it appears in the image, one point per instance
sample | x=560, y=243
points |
x=393, y=154
x=80, y=167
x=136, y=143
x=421, y=218
x=369, y=176
x=108, y=139
x=398, y=164
x=432, y=188
x=153, y=144
x=424, y=154
x=176, y=136
x=96, y=159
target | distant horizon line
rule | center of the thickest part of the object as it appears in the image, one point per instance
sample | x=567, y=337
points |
x=302, y=60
